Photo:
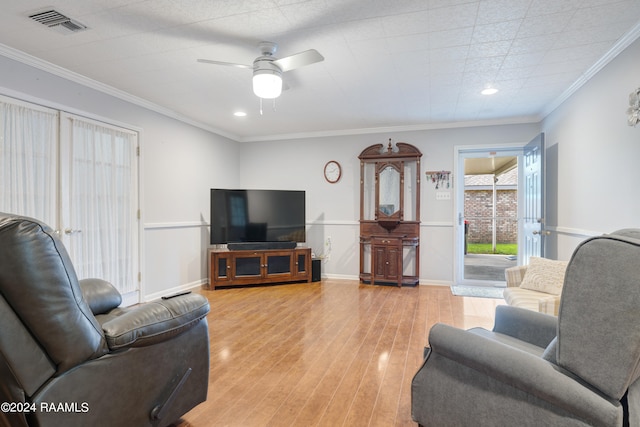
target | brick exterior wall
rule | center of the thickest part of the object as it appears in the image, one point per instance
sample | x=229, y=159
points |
x=478, y=212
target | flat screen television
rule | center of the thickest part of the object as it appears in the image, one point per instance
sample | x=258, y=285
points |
x=260, y=216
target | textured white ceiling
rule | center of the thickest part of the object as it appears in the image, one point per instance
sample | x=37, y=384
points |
x=401, y=63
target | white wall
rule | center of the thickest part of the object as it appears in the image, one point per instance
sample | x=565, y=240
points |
x=333, y=209
x=179, y=164
x=593, y=158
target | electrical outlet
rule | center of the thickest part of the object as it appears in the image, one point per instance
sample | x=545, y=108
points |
x=443, y=195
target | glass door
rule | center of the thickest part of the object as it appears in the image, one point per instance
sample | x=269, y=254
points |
x=80, y=177
x=247, y=265
x=302, y=263
x=29, y=160
x=488, y=209
x=99, y=201
x=279, y=264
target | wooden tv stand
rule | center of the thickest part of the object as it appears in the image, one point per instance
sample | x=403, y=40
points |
x=258, y=267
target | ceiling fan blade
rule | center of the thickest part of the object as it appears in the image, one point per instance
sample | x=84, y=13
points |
x=298, y=60
x=230, y=64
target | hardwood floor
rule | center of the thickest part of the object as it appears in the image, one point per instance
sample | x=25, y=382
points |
x=331, y=353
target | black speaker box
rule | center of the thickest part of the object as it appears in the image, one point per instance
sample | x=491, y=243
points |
x=316, y=270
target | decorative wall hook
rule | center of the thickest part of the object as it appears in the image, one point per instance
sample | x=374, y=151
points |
x=441, y=179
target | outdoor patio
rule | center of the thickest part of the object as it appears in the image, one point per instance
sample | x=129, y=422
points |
x=487, y=267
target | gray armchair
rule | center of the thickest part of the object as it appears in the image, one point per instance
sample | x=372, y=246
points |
x=69, y=356
x=532, y=369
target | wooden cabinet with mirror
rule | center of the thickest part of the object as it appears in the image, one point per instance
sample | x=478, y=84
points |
x=390, y=214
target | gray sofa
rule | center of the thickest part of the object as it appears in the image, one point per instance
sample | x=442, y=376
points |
x=533, y=369
x=69, y=356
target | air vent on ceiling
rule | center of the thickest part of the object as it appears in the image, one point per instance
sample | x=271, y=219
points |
x=57, y=21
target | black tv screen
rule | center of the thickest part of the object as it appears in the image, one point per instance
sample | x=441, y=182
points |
x=257, y=216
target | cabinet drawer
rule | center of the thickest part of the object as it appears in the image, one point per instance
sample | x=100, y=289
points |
x=388, y=241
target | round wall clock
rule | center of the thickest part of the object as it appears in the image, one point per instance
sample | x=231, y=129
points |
x=332, y=171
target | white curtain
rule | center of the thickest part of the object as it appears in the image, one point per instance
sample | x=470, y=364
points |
x=28, y=159
x=76, y=175
x=102, y=216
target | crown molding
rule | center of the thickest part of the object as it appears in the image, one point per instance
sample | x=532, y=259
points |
x=32, y=61
x=623, y=43
x=395, y=129
x=48, y=67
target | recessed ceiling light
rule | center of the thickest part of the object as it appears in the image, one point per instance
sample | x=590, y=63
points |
x=240, y=114
x=489, y=91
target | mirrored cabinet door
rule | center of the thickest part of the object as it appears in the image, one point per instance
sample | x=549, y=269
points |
x=411, y=211
x=368, y=191
x=389, y=190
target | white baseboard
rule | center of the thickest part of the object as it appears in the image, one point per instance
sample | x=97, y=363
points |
x=426, y=282
x=422, y=282
x=340, y=277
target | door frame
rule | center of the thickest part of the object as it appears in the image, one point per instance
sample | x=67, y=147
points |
x=460, y=153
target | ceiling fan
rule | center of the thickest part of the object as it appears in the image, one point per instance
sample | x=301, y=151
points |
x=267, y=70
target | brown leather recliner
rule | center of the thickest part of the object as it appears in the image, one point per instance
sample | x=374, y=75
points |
x=69, y=356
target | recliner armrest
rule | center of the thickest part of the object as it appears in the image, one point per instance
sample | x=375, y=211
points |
x=101, y=295
x=155, y=321
x=526, y=325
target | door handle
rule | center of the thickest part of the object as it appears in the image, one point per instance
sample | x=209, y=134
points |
x=542, y=233
x=71, y=231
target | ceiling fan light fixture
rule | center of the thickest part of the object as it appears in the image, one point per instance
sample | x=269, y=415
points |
x=267, y=70
x=267, y=83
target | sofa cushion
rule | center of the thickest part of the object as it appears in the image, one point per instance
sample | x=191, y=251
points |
x=532, y=300
x=544, y=275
